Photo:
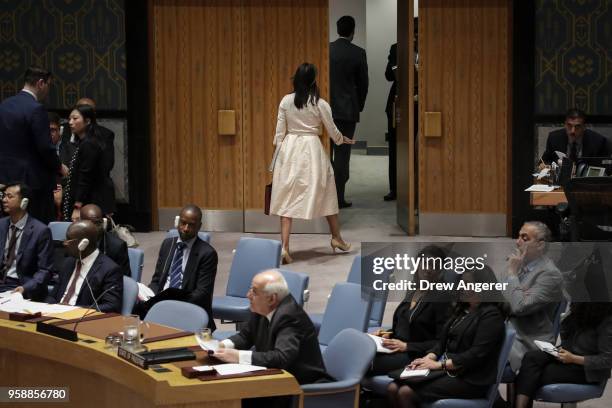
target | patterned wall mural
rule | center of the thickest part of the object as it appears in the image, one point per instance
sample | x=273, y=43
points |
x=81, y=41
x=573, y=56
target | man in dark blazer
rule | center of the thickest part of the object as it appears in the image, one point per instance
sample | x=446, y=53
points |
x=348, y=74
x=281, y=332
x=186, y=267
x=87, y=278
x=389, y=110
x=108, y=243
x=26, y=248
x=575, y=140
x=26, y=151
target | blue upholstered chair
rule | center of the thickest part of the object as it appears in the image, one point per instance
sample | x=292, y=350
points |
x=348, y=307
x=180, y=315
x=298, y=284
x=568, y=395
x=379, y=300
x=252, y=256
x=204, y=236
x=346, y=359
x=58, y=230
x=136, y=263
x=130, y=294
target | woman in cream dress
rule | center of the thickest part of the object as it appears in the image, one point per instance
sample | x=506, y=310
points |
x=303, y=183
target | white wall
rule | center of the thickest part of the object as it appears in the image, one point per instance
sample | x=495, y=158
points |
x=375, y=30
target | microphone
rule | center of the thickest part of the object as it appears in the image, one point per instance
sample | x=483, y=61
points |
x=88, y=312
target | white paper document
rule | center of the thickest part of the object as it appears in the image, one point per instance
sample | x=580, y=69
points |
x=560, y=155
x=546, y=347
x=204, y=368
x=407, y=373
x=379, y=346
x=228, y=369
x=541, y=188
x=144, y=292
x=544, y=173
x=15, y=303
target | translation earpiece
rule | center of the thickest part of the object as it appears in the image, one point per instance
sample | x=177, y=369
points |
x=176, y=221
x=24, y=203
x=83, y=244
x=104, y=223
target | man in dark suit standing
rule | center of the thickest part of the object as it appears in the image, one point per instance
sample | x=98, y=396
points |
x=26, y=151
x=348, y=73
x=281, y=332
x=108, y=243
x=389, y=110
x=186, y=267
x=87, y=278
x=26, y=249
x=575, y=140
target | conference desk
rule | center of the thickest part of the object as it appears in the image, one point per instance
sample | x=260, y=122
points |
x=547, y=199
x=96, y=377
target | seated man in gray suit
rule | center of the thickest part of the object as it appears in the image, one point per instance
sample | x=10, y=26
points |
x=282, y=333
x=533, y=292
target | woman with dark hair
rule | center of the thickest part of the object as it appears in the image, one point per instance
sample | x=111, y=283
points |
x=418, y=320
x=89, y=180
x=585, y=355
x=303, y=181
x=463, y=364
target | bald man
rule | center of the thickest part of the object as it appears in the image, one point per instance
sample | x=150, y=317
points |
x=108, y=243
x=280, y=331
x=87, y=278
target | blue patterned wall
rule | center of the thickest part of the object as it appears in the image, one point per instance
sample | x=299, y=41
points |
x=573, y=56
x=81, y=41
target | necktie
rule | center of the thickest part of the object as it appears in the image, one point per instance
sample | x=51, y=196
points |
x=573, y=152
x=72, y=287
x=176, y=269
x=10, y=254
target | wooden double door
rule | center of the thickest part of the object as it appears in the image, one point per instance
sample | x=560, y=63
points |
x=208, y=56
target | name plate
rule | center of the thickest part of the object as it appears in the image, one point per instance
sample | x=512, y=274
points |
x=133, y=358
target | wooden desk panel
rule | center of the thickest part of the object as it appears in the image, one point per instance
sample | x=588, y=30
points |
x=98, y=378
x=549, y=199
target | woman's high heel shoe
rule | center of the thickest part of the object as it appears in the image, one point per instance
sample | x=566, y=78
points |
x=285, y=258
x=343, y=246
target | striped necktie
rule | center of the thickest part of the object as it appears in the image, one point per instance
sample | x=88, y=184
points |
x=176, y=269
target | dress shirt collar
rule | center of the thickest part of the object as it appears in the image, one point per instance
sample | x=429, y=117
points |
x=189, y=243
x=31, y=93
x=270, y=315
x=21, y=223
x=88, y=261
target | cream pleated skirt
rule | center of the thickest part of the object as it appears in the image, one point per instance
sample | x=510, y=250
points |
x=303, y=183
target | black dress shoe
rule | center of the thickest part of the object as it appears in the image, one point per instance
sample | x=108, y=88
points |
x=389, y=197
x=345, y=204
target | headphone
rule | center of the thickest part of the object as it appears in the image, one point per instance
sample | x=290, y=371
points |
x=176, y=221
x=104, y=223
x=83, y=244
x=24, y=203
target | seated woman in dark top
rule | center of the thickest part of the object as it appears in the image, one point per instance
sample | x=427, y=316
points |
x=585, y=355
x=463, y=364
x=417, y=321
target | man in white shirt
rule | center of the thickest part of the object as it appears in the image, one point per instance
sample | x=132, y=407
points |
x=88, y=278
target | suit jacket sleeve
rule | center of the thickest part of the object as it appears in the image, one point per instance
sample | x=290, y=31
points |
x=44, y=251
x=391, y=62
x=286, y=347
x=281, y=124
x=549, y=154
x=156, y=285
x=88, y=162
x=362, y=80
x=602, y=360
x=111, y=300
x=122, y=257
x=244, y=340
x=42, y=139
x=441, y=316
x=206, y=272
x=489, y=332
x=525, y=300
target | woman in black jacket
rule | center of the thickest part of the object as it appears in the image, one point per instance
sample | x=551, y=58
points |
x=417, y=321
x=585, y=355
x=89, y=180
x=463, y=364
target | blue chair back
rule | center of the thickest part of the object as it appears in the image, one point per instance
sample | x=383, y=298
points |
x=343, y=365
x=297, y=282
x=136, y=263
x=130, y=294
x=380, y=297
x=557, y=321
x=252, y=256
x=347, y=307
x=501, y=362
x=58, y=230
x=204, y=236
x=180, y=315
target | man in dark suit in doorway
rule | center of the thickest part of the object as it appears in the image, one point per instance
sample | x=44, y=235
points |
x=389, y=110
x=26, y=151
x=348, y=73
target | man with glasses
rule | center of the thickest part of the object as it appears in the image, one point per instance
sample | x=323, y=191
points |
x=533, y=292
x=575, y=140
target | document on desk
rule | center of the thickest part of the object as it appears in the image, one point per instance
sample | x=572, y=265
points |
x=144, y=292
x=15, y=303
x=541, y=188
x=229, y=369
x=379, y=344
